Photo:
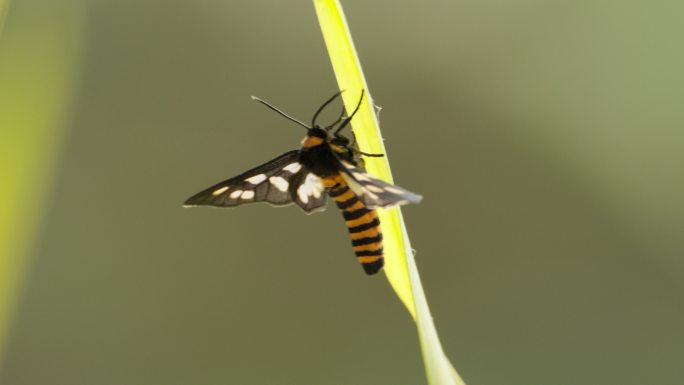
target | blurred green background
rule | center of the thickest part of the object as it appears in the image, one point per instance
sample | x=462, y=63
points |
x=545, y=136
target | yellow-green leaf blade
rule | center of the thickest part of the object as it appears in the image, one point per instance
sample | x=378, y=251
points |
x=350, y=79
x=401, y=269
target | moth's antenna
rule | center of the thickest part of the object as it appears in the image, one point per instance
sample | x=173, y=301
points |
x=313, y=120
x=269, y=105
x=346, y=121
x=339, y=119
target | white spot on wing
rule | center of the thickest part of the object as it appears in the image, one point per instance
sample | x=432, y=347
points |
x=394, y=190
x=220, y=191
x=372, y=196
x=256, y=179
x=312, y=186
x=361, y=176
x=303, y=196
x=374, y=188
x=247, y=194
x=235, y=194
x=292, y=167
x=279, y=182
x=353, y=184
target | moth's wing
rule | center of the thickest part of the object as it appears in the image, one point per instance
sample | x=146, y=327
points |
x=270, y=182
x=308, y=192
x=373, y=192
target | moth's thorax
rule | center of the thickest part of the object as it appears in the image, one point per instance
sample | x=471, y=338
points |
x=316, y=153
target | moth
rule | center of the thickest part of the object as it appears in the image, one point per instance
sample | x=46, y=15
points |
x=328, y=164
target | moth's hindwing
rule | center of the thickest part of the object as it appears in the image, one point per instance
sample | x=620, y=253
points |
x=374, y=192
x=308, y=192
x=277, y=182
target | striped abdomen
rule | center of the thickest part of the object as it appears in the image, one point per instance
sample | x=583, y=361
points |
x=363, y=224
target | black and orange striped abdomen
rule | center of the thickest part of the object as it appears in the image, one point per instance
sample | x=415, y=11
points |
x=363, y=224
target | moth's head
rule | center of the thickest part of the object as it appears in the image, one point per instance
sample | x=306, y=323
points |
x=315, y=137
x=317, y=132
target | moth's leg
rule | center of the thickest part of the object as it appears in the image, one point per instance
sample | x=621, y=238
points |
x=371, y=155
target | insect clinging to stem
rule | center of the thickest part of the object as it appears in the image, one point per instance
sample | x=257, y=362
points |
x=328, y=164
